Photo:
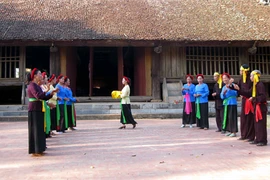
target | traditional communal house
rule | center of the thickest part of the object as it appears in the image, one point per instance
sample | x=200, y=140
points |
x=154, y=42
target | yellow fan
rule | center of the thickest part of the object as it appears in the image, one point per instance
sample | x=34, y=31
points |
x=116, y=94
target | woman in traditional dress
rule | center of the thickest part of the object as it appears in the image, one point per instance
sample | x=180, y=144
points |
x=259, y=101
x=47, y=115
x=62, y=94
x=70, y=106
x=189, y=112
x=229, y=97
x=247, y=114
x=201, y=95
x=53, y=101
x=36, y=135
x=218, y=101
x=126, y=115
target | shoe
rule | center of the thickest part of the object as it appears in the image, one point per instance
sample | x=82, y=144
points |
x=248, y=140
x=190, y=126
x=37, y=154
x=223, y=132
x=183, y=126
x=122, y=127
x=205, y=128
x=228, y=134
x=261, y=144
x=232, y=135
x=73, y=129
x=241, y=138
x=218, y=130
x=60, y=132
x=252, y=142
x=134, y=125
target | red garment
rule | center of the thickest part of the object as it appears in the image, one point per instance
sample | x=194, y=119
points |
x=248, y=107
x=258, y=112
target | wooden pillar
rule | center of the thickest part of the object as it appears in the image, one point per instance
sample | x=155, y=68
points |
x=120, y=67
x=68, y=65
x=148, y=67
x=139, y=72
x=71, y=67
x=54, y=61
x=156, y=91
x=90, y=70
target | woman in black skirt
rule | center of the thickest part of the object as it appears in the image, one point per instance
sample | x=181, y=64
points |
x=126, y=115
x=36, y=135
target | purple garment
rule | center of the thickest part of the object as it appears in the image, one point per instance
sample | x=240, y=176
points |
x=35, y=91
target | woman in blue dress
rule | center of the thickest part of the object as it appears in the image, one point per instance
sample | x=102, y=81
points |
x=189, y=113
x=201, y=95
x=229, y=97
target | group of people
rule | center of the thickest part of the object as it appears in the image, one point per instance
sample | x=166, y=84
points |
x=253, y=119
x=50, y=110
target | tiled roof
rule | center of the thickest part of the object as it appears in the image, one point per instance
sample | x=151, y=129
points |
x=172, y=20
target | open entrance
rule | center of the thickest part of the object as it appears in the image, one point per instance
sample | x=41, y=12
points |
x=38, y=57
x=105, y=61
x=82, y=81
x=128, y=58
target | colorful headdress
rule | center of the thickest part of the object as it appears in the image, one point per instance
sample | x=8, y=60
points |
x=219, y=81
x=51, y=78
x=227, y=74
x=188, y=75
x=127, y=79
x=198, y=75
x=59, y=77
x=245, y=69
x=256, y=78
x=43, y=75
x=33, y=73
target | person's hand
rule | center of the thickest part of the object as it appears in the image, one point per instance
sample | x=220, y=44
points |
x=214, y=94
x=251, y=98
x=225, y=91
x=66, y=99
x=236, y=87
x=51, y=105
x=231, y=80
x=58, y=98
x=77, y=100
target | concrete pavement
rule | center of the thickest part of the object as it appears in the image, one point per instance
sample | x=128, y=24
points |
x=156, y=149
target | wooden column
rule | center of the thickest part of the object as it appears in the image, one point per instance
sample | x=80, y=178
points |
x=156, y=91
x=55, y=61
x=139, y=72
x=90, y=69
x=120, y=67
x=71, y=67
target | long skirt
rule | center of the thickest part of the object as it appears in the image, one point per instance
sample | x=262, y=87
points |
x=36, y=135
x=53, y=119
x=62, y=117
x=70, y=116
x=126, y=115
x=231, y=120
x=261, y=127
x=203, y=122
x=219, y=118
x=189, y=118
x=247, y=126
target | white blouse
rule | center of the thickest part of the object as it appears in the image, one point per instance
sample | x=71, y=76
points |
x=125, y=95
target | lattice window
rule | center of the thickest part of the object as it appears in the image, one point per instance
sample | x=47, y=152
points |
x=207, y=60
x=9, y=61
x=261, y=60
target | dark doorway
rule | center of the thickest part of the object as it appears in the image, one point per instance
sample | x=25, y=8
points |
x=128, y=58
x=38, y=57
x=82, y=85
x=105, y=61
